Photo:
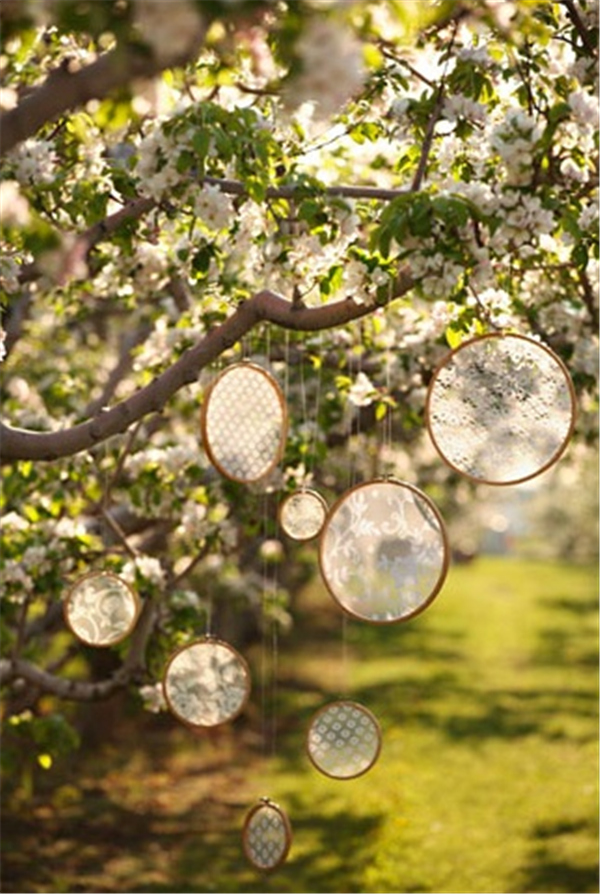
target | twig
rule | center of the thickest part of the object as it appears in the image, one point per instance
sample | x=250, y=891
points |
x=579, y=26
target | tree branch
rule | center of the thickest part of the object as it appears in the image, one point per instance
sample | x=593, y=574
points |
x=264, y=306
x=64, y=89
x=85, y=690
x=579, y=26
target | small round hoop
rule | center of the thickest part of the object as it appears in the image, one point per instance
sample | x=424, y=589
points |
x=500, y=408
x=302, y=514
x=266, y=835
x=206, y=683
x=343, y=740
x=244, y=422
x=101, y=609
x=384, y=551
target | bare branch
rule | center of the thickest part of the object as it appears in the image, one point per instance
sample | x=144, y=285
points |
x=84, y=690
x=579, y=26
x=264, y=306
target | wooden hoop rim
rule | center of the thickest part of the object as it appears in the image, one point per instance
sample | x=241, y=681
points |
x=567, y=376
x=358, y=707
x=244, y=364
x=71, y=594
x=445, y=544
x=207, y=640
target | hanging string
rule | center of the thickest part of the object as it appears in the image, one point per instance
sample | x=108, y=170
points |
x=312, y=437
x=387, y=419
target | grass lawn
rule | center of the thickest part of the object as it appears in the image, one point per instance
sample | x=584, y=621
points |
x=486, y=782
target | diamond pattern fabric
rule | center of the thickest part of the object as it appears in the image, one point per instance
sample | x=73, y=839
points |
x=344, y=740
x=244, y=423
x=267, y=836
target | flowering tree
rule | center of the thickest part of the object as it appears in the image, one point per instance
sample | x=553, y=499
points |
x=341, y=190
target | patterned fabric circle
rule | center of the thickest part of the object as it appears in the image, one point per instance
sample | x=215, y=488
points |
x=384, y=551
x=501, y=409
x=267, y=835
x=302, y=514
x=101, y=609
x=206, y=683
x=244, y=423
x=344, y=740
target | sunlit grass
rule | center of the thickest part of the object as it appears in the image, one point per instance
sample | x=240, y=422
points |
x=486, y=782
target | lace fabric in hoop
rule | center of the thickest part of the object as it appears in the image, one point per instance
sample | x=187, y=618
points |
x=302, y=514
x=267, y=835
x=101, y=609
x=500, y=408
x=206, y=683
x=344, y=740
x=384, y=551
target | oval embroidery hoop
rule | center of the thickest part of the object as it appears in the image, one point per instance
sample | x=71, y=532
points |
x=244, y=422
x=267, y=835
x=384, y=551
x=302, y=514
x=101, y=609
x=206, y=683
x=344, y=740
x=500, y=408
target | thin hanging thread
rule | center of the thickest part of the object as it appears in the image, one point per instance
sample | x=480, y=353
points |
x=387, y=419
x=312, y=435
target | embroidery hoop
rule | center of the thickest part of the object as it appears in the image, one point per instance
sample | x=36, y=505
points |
x=338, y=588
x=285, y=828
x=221, y=422
x=305, y=521
x=242, y=671
x=326, y=755
x=466, y=429
x=76, y=595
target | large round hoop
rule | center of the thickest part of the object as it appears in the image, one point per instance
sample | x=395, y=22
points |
x=384, y=551
x=500, y=408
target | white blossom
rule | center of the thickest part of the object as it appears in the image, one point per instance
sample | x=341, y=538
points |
x=34, y=162
x=213, y=207
x=362, y=391
x=147, y=567
x=153, y=698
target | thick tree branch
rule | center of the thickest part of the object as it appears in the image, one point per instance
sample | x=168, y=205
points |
x=264, y=306
x=64, y=89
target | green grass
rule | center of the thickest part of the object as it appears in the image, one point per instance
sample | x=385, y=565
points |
x=486, y=782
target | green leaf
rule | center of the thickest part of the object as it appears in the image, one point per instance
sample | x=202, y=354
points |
x=454, y=336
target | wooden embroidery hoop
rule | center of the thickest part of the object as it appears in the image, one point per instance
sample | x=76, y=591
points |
x=483, y=340
x=207, y=641
x=126, y=589
x=208, y=438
